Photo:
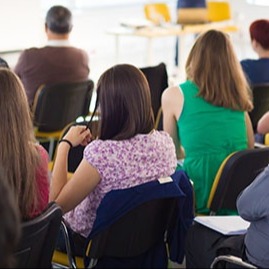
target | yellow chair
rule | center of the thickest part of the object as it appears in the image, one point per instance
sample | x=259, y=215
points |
x=157, y=12
x=218, y=11
x=266, y=139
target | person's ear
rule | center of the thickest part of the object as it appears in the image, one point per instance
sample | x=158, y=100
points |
x=254, y=44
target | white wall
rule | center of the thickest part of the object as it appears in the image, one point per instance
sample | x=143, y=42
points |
x=22, y=24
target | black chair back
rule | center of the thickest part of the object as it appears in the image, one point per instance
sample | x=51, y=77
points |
x=158, y=81
x=57, y=105
x=75, y=154
x=133, y=226
x=147, y=225
x=38, y=239
x=238, y=172
x=260, y=102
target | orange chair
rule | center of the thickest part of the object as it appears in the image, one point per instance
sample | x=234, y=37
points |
x=157, y=13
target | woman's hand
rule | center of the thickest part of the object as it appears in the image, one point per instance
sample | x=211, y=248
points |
x=79, y=135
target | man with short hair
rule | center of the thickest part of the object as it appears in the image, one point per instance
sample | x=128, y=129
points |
x=56, y=62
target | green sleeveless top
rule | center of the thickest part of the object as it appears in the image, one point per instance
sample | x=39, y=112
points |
x=208, y=134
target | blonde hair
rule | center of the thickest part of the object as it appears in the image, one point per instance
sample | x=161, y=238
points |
x=18, y=155
x=213, y=66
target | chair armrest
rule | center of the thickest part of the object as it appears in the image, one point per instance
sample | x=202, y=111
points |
x=232, y=260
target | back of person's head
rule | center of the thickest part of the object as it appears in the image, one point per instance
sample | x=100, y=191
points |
x=59, y=20
x=123, y=96
x=213, y=65
x=259, y=31
x=9, y=224
x=17, y=154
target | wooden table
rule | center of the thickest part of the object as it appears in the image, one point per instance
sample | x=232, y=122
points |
x=166, y=31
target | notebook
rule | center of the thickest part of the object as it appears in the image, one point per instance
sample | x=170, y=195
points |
x=227, y=225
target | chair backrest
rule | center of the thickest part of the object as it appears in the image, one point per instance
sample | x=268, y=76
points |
x=157, y=12
x=130, y=222
x=192, y=12
x=260, y=102
x=75, y=154
x=57, y=105
x=151, y=218
x=158, y=81
x=235, y=174
x=218, y=11
x=38, y=239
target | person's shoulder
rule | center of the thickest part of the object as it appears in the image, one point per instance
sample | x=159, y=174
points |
x=161, y=133
x=245, y=62
x=42, y=151
x=76, y=48
x=171, y=91
x=77, y=51
x=98, y=145
x=32, y=50
x=160, y=136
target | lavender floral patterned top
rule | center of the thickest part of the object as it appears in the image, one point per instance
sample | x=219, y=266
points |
x=122, y=164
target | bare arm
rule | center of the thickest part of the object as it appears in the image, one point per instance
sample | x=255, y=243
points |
x=263, y=124
x=250, y=134
x=69, y=193
x=172, y=103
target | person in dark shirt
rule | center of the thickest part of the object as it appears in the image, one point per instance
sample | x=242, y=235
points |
x=56, y=62
x=257, y=70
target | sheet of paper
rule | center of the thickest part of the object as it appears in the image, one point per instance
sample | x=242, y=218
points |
x=227, y=225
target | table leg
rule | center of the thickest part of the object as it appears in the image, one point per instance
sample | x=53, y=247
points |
x=149, y=52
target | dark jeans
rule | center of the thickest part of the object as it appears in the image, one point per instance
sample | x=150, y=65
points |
x=204, y=244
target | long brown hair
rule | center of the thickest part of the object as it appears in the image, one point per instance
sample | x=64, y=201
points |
x=18, y=155
x=123, y=96
x=213, y=66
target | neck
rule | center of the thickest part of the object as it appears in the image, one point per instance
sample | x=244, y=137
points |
x=55, y=36
x=263, y=54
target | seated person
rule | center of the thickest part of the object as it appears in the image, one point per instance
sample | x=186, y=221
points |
x=257, y=70
x=58, y=61
x=127, y=152
x=24, y=160
x=253, y=206
x=263, y=124
x=208, y=114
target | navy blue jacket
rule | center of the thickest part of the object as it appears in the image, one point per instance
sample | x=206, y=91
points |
x=127, y=199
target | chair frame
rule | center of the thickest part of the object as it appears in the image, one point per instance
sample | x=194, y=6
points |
x=159, y=212
x=230, y=259
x=228, y=182
x=42, y=229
